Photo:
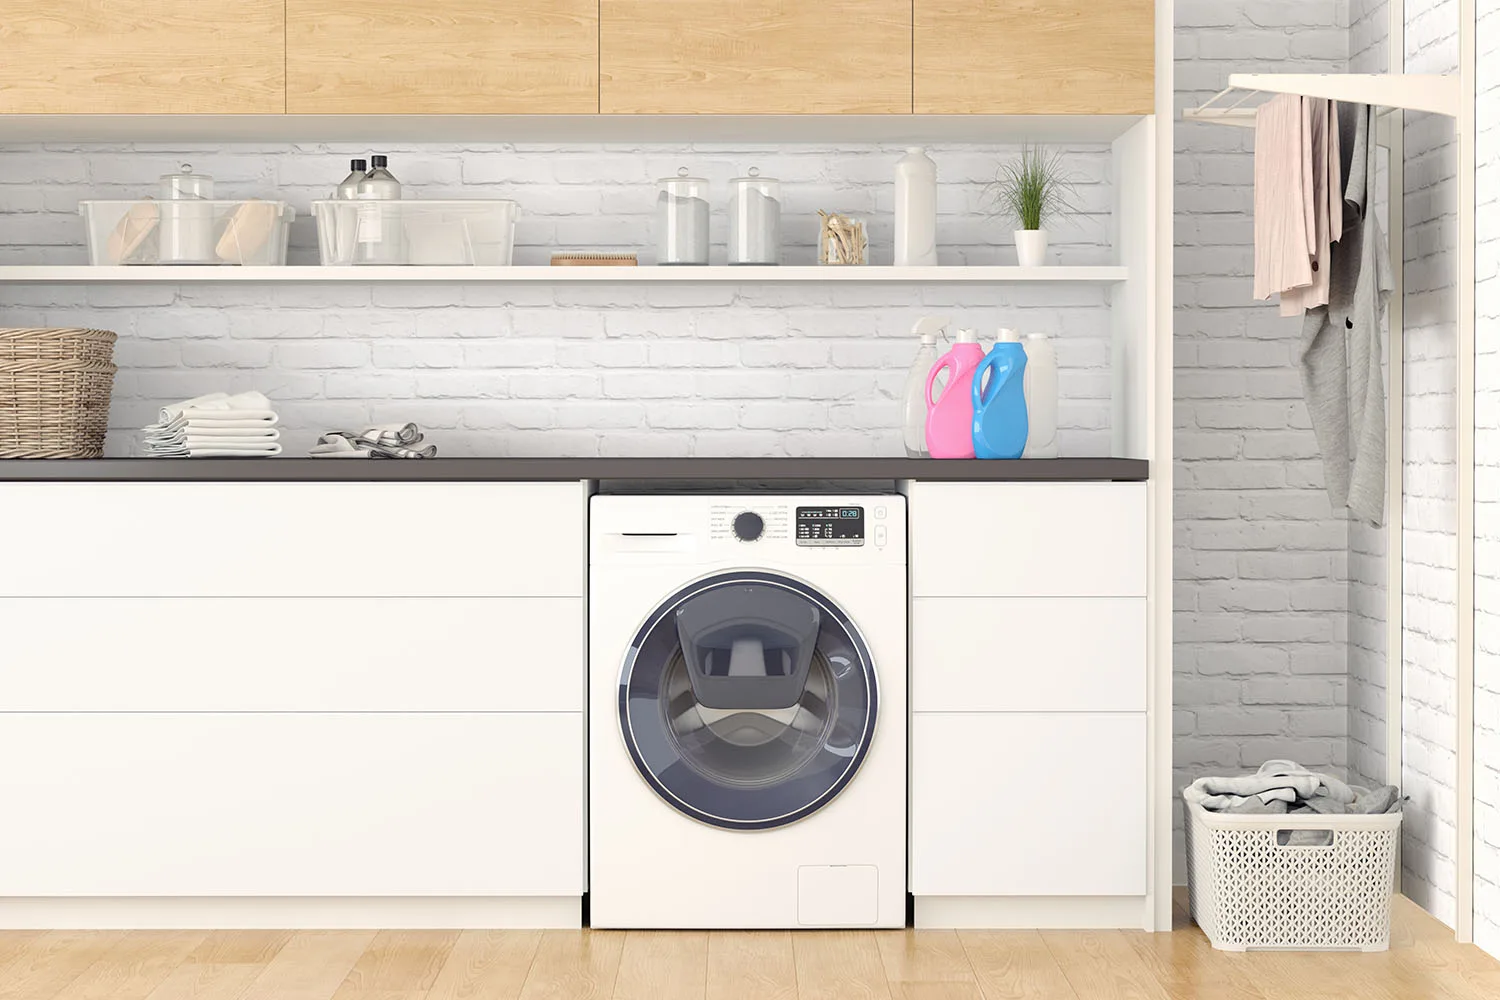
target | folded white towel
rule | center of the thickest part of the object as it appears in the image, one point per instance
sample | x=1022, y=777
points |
x=194, y=430
x=222, y=406
x=268, y=419
x=213, y=449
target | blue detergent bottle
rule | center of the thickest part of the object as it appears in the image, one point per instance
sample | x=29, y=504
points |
x=1000, y=400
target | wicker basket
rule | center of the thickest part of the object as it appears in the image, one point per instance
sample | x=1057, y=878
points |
x=54, y=392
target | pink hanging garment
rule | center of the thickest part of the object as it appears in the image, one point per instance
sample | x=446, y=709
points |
x=1284, y=223
x=1326, y=203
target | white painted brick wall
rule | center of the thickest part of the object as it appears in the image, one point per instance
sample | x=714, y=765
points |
x=1430, y=514
x=1368, y=53
x=1261, y=559
x=617, y=370
x=1487, y=487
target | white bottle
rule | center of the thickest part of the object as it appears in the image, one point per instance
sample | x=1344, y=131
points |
x=916, y=209
x=379, y=236
x=914, y=419
x=1040, y=385
x=349, y=187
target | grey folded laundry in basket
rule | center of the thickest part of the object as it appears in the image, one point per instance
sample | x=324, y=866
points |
x=1285, y=787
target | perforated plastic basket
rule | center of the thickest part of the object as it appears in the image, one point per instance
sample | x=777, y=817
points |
x=1250, y=888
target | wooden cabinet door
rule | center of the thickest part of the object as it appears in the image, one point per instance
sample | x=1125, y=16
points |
x=1034, y=57
x=742, y=57
x=442, y=56
x=142, y=57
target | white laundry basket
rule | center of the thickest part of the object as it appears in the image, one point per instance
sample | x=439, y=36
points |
x=1252, y=889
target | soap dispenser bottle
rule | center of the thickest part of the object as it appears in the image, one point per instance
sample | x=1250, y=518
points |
x=999, y=396
x=950, y=418
x=914, y=418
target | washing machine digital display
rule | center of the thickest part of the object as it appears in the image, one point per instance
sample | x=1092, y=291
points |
x=830, y=526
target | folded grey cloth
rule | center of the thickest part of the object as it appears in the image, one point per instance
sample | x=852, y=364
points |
x=1285, y=787
x=380, y=441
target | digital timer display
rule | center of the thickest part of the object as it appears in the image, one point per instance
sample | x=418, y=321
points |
x=830, y=525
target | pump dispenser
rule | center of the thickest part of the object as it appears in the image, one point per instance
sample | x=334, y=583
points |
x=950, y=419
x=914, y=418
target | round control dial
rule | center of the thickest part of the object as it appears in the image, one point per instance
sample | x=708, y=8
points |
x=749, y=526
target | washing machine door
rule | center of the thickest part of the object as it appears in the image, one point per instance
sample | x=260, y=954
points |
x=747, y=700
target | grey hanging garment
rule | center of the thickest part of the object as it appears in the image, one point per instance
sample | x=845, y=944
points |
x=1341, y=372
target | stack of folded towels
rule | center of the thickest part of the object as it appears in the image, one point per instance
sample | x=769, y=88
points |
x=216, y=426
x=380, y=441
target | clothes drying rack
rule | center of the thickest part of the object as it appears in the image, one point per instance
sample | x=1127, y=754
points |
x=1451, y=95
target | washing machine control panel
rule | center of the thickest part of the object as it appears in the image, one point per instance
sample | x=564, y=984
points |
x=838, y=526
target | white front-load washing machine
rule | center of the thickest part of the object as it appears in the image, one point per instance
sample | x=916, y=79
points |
x=747, y=711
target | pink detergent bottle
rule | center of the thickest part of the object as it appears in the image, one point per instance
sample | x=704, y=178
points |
x=950, y=419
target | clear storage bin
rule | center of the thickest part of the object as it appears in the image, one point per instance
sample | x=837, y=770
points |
x=187, y=232
x=1303, y=881
x=466, y=233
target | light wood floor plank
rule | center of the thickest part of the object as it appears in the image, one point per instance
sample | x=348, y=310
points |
x=240, y=947
x=134, y=967
x=486, y=965
x=923, y=956
x=839, y=965
x=1101, y=965
x=311, y=966
x=1015, y=965
x=1188, y=967
x=206, y=981
x=663, y=965
x=52, y=961
x=399, y=962
x=937, y=991
x=751, y=965
x=574, y=965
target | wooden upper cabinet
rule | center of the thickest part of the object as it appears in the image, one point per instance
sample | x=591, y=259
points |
x=741, y=57
x=141, y=57
x=442, y=56
x=1023, y=57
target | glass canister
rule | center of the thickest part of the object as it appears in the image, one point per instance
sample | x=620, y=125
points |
x=186, y=229
x=682, y=219
x=755, y=219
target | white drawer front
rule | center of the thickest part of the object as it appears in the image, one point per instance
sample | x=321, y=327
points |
x=292, y=805
x=1028, y=539
x=1028, y=804
x=293, y=539
x=227, y=654
x=1021, y=654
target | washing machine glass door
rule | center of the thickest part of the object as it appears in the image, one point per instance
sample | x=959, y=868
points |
x=747, y=700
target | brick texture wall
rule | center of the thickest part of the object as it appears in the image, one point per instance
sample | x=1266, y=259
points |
x=1261, y=558
x=531, y=370
x=1430, y=514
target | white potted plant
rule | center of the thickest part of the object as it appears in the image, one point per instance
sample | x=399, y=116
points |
x=1031, y=190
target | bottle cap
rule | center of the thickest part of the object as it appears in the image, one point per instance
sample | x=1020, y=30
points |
x=1008, y=336
x=929, y=339
x=377, y=161
x=930, y=326
x=968, y=336
x=1036, y=336
x=358, y=165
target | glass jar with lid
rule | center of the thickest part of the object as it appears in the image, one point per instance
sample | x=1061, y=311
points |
x=186, y=226
x=682, y=219
x=754, y=219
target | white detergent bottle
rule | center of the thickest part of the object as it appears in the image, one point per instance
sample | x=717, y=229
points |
x=914, y=416
x=1041, y=397
x=916, y=209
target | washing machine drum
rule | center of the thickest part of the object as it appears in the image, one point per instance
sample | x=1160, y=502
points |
x=747, y=700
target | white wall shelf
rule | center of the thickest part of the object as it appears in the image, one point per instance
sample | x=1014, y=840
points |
x=723, y=274
x=1434, y=93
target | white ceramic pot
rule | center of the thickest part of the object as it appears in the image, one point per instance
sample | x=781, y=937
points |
x=1031, y=247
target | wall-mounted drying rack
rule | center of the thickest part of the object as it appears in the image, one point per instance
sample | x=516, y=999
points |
x=1438, y=94
x=1442, y=94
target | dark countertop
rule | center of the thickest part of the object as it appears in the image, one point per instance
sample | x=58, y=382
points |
x=663, y=470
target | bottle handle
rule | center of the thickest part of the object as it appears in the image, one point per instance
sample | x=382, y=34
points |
x=979, y=390
x=932, y=377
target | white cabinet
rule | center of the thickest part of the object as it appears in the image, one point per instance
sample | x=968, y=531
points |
x=1028, y=804
x=291, y=804
x=1029, y=695
x=1028, y=654
x=332, y=654
x=294, y=540
x=293, y=689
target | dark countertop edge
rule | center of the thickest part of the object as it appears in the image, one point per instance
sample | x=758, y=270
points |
x=568, y=469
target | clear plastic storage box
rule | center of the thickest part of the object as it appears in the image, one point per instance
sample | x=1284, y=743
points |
x=470, y=232
x=189, y=231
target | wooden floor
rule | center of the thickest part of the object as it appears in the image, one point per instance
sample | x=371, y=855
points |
x=1423, y=964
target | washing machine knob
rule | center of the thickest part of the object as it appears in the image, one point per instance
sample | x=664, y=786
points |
x=749, y=526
